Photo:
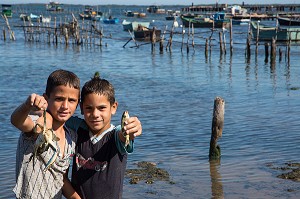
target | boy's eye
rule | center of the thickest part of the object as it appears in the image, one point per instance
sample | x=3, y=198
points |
x=72, y=100
x=59, y=99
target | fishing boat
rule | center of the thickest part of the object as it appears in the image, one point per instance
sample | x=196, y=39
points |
x=218, y=20
x=111, y=20
x=127, y=25
x=90, y=14
x=145, y=34
x=240, y=21
x=286, y=21
x=129, y=13
x=53, y=6
x=279, y=33
x=7, y=10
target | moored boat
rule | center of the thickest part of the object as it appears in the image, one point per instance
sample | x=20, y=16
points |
x=287, y=21
x=146, y=34
x=218, y=20
x=127, y=25
x=7, y=10
x=90, y=14
x=279, y=33
x=54, y=7
x=111, y=20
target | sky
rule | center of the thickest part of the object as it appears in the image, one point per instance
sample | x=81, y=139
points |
x=154, y=2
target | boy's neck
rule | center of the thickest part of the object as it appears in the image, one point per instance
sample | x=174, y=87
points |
x=58, y=127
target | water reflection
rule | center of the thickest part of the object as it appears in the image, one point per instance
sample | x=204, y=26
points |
x=216, y=179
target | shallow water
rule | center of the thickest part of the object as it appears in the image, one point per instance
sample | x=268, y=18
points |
x=173, y=95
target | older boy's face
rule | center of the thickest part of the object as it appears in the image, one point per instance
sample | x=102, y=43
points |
x=97, y=112
x=62, y=103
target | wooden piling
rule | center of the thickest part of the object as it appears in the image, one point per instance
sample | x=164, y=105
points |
x=221, y=42
x=217, y=128
x=231, y=38
x=182, y=37
x=206, y=48
x=248, y=48
x=280, y=54
x=273, y=50
x=267, y=52
x=153, y=39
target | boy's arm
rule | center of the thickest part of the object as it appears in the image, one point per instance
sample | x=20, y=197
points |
x=133, y=127
x=20, y=118
x=68, y=190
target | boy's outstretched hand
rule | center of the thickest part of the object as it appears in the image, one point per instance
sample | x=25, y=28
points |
x=36, y=102
x=133, y=127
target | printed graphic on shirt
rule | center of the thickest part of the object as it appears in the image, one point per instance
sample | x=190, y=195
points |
x=90, y=163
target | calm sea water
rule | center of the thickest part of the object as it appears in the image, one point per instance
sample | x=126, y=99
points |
x=173, y=94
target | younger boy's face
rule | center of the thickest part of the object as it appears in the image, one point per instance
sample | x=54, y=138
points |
x=97, y=112
x=62, y=103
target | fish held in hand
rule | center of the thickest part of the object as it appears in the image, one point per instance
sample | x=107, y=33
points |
x=125, y=116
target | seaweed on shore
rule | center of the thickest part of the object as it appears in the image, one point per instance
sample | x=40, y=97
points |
x=148, y=172
x=292, y=168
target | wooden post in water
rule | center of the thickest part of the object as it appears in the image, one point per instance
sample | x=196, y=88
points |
x=183, y=31
x=221, y=42
x=280, y=54
x=217, y=128
x=206, y=48
x=231, y=38
x=4, y=34
x=169, y=44
x=187, y=43
x=257, y=39
x=273, y=51
x=153, y=39
x=193, y=41
x=266, y=52
x=248, y=49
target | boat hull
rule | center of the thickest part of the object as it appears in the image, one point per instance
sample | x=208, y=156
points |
x=266, y=33
x=146, y=35
x=134, y=25
x=288, y=22
x=204, y=23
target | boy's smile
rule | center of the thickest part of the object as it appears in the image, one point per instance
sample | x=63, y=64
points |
x=97, y=112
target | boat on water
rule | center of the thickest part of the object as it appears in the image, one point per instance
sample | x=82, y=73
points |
x=287, y=21
x=54, y=6
x=218, y=20
x=127, y=25
x=240, y=21
x=111, y=20
x=156, y=9
x=90, y=14
x=266, y=33
x=7, y=10
x=35, y=18
x=129, y=13
x=146, y=34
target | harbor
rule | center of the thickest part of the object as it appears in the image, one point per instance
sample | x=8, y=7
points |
x=170, y=82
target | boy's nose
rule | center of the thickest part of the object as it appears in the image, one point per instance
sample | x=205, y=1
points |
x=65, y=104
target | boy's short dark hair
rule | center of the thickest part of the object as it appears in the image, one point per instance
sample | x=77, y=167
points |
x=62, y=77
x=98, y=86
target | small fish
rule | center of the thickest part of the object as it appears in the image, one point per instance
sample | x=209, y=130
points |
x=125, y=116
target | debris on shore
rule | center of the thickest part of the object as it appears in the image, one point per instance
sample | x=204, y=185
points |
x=148, y=172
x=290, y=171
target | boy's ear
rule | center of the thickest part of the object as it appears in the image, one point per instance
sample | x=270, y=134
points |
x=114, y=108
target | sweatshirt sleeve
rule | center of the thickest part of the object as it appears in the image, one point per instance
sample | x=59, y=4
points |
x=121, y=145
